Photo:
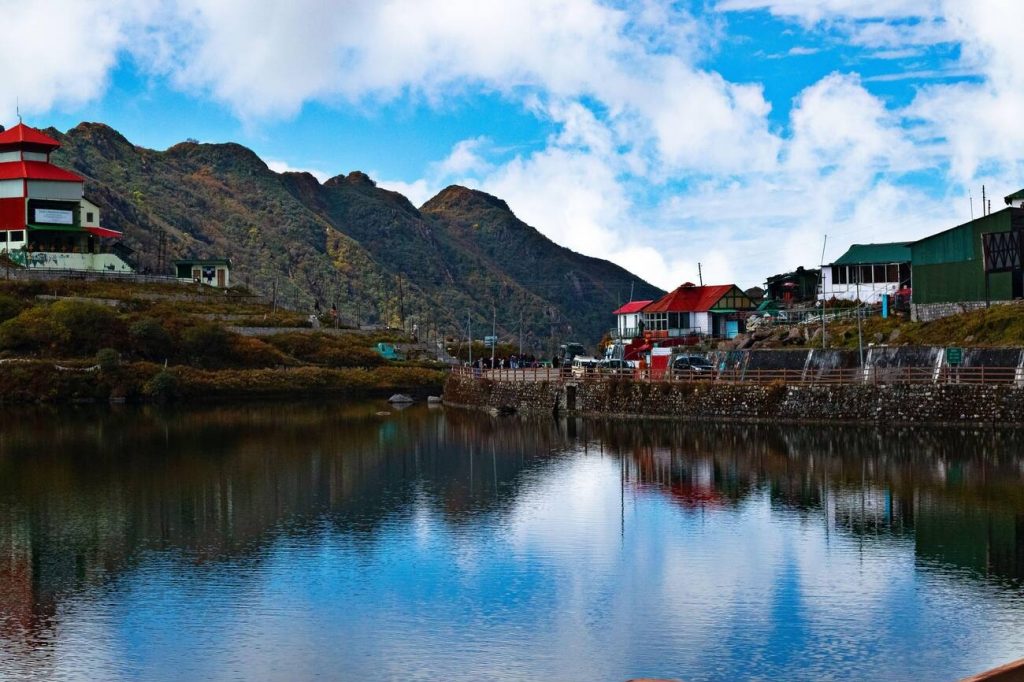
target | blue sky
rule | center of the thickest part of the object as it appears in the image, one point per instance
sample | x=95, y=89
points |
x=735, y=133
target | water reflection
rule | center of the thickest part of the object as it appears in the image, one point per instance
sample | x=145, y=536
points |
x=287, y=542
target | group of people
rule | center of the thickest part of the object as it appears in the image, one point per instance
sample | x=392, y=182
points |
x=512, y=362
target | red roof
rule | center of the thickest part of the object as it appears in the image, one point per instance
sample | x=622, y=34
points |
x=631, y=307
x=23, y=134
x=103, y=232
x=36, y=170
x=689, y=299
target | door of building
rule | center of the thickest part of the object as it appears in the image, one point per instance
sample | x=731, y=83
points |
x=220, y=277
x=732, y=328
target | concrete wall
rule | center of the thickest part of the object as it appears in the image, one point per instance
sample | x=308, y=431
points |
x=901, y=404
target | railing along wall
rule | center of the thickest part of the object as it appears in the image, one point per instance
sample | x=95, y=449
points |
x=791, y=377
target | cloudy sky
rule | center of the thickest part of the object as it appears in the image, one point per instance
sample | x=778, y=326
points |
x=735, y=133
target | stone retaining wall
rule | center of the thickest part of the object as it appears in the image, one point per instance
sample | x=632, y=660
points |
x=901, y=404
x=926, y=312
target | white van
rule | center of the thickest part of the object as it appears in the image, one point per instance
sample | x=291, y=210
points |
x=583, y=365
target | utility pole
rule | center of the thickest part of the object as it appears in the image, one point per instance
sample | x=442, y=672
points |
x=860, y=333
x=469, y=332
x=821, y=278
x=700, y=275
x=494, y=334
x=401, y=303
x=520, y=333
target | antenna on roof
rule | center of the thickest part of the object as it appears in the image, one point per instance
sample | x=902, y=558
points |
x=983, y=200
x=700, y=276
x=17, y=108
x=971, y=199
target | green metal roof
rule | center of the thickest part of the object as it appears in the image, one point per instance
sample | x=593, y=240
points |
x=203, y=261
x=56, y=228
x=861, y=254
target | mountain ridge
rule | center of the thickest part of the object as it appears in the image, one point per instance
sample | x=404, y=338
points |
x=347, y=241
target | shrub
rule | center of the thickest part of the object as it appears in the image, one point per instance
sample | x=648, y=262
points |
x=10, y=307
x=206, y=345
x=88, y=326
x=162, y=387
x=33, y=331
x=108, y=359
x=149, y=339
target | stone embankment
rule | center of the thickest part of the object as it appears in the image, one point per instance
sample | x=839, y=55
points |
x=709, y=400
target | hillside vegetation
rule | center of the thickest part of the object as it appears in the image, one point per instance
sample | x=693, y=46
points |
x=78, y=340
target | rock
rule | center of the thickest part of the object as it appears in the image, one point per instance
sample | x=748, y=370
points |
x=894, y=335
x=762, y=334
x=879, y=337
x=745, y=343
x=400, y=398
x=794, y=336
x=434, y=399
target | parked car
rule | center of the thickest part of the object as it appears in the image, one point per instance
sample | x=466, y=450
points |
x=692, y=367
x=615, y=366
x=583, y=365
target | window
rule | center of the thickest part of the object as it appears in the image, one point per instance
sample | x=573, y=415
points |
x=89, y=217
x=656, y=321
x=866, y=275
x=892, y=273
x=839, y=274
x=17, y=236
x=879, y=275
x=3, y=237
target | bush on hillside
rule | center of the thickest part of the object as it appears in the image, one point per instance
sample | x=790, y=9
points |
x=150, y=340
x=206, y=345
x=89, y=327
x=34, y=332
x=10, y=307
x=327, y=350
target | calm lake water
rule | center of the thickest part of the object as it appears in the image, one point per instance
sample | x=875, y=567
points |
x=284, y=542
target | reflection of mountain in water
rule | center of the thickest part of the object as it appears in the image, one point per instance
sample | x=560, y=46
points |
x=957, y=493
x=83, y=495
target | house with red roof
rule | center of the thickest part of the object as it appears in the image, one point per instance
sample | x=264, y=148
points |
x=627, y=319
x=714, y=310
x=45, y=219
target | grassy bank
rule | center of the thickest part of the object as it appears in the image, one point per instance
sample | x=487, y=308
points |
x=81, y=341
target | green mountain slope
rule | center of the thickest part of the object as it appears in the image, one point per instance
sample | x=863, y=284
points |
x=347, y=241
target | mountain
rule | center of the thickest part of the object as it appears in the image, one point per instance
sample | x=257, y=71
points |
x=346, y=241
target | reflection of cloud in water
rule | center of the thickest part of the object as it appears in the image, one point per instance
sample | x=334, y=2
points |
x=280, y=543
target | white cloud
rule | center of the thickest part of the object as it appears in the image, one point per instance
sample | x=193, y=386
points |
x=59, y=53
x=283, y=167
x=655, y=159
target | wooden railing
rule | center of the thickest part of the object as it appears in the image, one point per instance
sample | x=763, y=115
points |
x=792, y=377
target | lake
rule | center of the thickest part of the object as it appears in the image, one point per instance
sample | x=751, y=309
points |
x=293, y=542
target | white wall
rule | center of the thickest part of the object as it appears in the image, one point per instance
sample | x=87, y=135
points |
x=88, y=207
x=96, y=262
x=10, y=189
x=6, y=157
x=60, y=191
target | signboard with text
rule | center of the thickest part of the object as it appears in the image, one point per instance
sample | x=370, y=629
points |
x=954, y=356
x=54, y=216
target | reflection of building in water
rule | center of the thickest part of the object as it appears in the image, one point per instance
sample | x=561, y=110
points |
x=956, y=493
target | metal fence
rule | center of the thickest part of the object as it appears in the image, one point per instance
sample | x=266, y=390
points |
x=789, y=377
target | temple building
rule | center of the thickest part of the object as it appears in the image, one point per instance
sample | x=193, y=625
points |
x=45, y=219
